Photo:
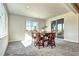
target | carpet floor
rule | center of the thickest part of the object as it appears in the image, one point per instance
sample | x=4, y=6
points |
x=63, y=48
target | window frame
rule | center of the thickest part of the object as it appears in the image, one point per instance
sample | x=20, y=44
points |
x=3, y=21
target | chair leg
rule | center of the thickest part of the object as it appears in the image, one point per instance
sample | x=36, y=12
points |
x=51, y=46
x=54, y=45
x=43, y=44
x=39, y=47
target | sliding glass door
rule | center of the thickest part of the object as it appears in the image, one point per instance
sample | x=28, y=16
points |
x=58, y=27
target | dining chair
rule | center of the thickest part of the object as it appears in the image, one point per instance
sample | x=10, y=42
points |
x=51, y=40
x=40, y=41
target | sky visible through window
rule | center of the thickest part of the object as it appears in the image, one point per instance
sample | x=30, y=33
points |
x=59, y=27
x=31, y=25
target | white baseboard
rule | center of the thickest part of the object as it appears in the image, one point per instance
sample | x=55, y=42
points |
x=71, y=40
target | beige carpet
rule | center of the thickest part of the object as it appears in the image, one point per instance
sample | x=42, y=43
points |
x=63, y=48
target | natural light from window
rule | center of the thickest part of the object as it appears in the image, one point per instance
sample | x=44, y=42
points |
x=31, y=25
x=59, y=27
x=27, y=41
x=3, y=22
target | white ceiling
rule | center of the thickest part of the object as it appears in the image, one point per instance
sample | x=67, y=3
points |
x=37, y=10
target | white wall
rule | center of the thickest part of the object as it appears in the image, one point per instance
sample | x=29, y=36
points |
x=3, y=45
x=4, y=39
x=78, y=26
x=70, y=26
x=17, y=27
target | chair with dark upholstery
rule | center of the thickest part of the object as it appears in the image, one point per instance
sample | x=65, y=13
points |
x=34, y=38
x=40, y=41
x=51, y=40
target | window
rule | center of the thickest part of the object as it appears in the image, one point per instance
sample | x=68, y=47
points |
x=3, y=21
x=58, y=27
x=31, y=25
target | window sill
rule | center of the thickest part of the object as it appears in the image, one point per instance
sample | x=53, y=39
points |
x=3, y=36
